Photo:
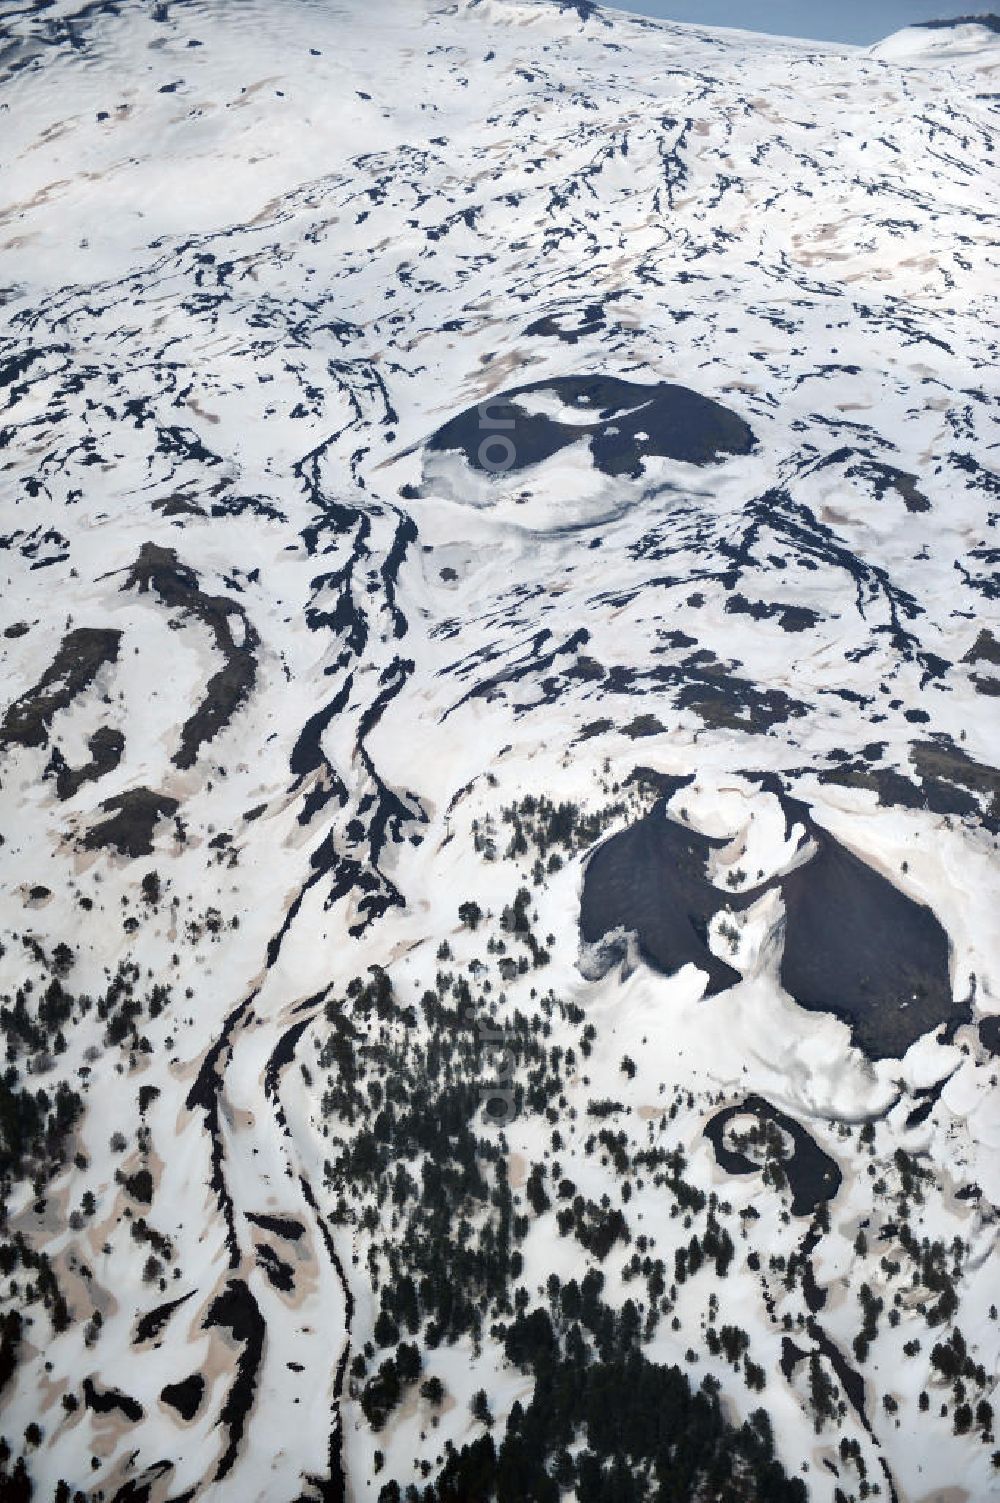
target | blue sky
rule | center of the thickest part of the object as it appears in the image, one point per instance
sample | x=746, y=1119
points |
x=861, y=21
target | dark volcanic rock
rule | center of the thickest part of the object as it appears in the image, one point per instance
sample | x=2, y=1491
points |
x=949, y=781
x=642, y=726
x=106, y=746
x=282, y=1226
x=989, y=1034
x=813, y=1176
x=985, y=649
x=108, y=1400
x=134, y=816
x=159, y=570
x=150, y=1325
x=82, y=653
x=792, y=618
x=947, y=771
x=854, y=944
x=885, y=477
x=723, y=699
x=631, y=422
x=858, y=947
x=651, y=879
x=237, y=1311
x=988, y=21
x=185, y=1396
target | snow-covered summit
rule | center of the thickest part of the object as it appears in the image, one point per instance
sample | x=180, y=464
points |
x=966, y=41
x=498, y=761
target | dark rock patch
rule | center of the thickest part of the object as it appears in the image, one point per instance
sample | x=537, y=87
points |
x=945, y=769
x=885, y=477
x=642, y=726
x=279, y=1273
x=791, y=618
x=151, y=1324
x=675, y=639
x=109, y=1400
x=919, y=1114
x=106, y=747
x=281, y=1226
x=588, y=669
x=985, y=649
x=988, y=22
x=140, y=1489
x=725, y=701
x=17, y=365
x=500, y=435
x=179, y=506
x=81, y=655
x=813, y=1176
x=133, y=818
x=858, y=947
x=892, y=787
x=563, y=327
x=650, y=879
x=928, y=1097
x=595, y=728
x=948, y=781
x=989, y=1034
x=185, y=1396
x=237, y=1311
x=177, y=585
x=702, y=683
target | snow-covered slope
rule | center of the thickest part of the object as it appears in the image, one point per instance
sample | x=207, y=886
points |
x=440, y=440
